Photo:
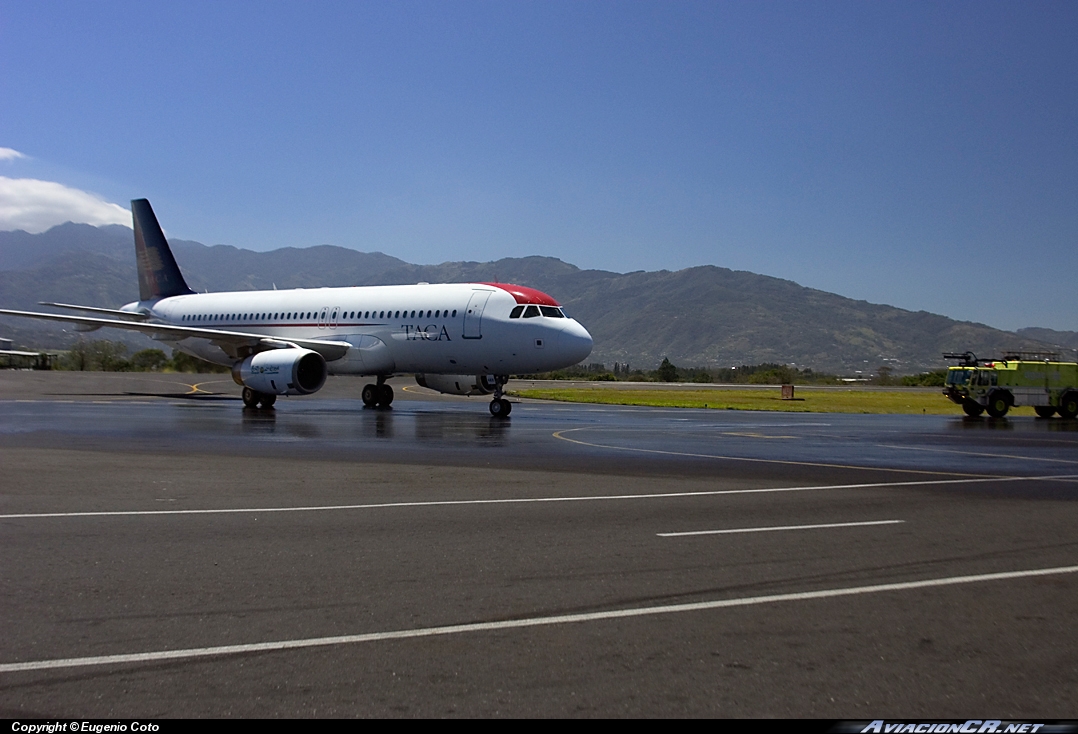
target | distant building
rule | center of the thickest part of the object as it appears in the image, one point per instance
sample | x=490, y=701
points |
x=11, y=359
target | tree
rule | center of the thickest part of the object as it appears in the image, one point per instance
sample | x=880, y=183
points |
x=884, y=375
x=935, y=378
x=108, y=356
x=76, y=357
x=148, y=360
x=98, y=355
x=186, y=363
x=666, y=372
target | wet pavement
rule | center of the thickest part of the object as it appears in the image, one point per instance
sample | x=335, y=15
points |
x=423, y=427
x=167, y=552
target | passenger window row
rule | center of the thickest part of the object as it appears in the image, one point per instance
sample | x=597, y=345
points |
x=292, y=316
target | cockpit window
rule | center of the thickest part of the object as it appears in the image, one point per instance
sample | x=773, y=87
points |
x=957, y=377
x=552, y=312
x=531, y=312
x=515, y=313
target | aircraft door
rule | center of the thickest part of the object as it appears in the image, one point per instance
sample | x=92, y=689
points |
x=333, y=317
x=473, y=315
x=322, y=317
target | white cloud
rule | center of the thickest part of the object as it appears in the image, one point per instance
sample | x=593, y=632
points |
x=33, y=205
x=10, y=154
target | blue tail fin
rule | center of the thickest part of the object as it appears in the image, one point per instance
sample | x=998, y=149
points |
x=158, y=274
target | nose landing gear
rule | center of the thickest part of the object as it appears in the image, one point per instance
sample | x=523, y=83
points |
x=499, y=406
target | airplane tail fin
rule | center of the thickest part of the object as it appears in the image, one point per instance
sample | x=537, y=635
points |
x=158, y=274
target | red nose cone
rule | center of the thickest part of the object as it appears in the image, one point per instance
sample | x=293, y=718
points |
x=523, y=294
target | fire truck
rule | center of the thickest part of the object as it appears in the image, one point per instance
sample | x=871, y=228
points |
x=1019, y=378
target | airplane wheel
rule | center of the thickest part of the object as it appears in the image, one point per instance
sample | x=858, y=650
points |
x=972, y=409
x=250, y=397
x=998, y=405
x=268, y=399
x=500, y=408
x=370, y=395
x=1044, y=411
x=385, y=395
x=1068, y=406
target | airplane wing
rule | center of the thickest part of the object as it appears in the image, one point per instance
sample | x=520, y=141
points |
x=236, y=344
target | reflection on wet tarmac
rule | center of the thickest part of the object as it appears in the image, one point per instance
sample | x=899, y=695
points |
x=551, y=435
x=967, y=423
x=427, y=426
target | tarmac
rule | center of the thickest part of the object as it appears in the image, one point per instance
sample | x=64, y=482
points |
x=168, y=553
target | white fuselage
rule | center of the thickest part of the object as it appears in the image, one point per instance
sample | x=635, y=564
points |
x=459, y=328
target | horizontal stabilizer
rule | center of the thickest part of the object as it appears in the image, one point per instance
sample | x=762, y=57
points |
x=94, y=309
x=230, y=341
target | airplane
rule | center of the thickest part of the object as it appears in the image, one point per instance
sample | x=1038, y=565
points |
x=456, y=338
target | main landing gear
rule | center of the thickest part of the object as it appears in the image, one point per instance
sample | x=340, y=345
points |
x=253, y=398
x=377, y=395
x=499, y=406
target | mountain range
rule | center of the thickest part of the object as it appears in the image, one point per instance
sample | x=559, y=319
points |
x=697, y=317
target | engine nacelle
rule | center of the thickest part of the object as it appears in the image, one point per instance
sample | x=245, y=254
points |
x=459, y=384
x=282, y=372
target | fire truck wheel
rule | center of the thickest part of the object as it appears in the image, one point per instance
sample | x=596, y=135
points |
x=972, y=408
x=1044, y=411
x=1068, y=406
x=998, y=404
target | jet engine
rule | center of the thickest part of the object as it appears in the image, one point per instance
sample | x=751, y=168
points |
x=459, y=384
x=282, y=372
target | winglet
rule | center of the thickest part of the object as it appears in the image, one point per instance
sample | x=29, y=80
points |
x=158, y=274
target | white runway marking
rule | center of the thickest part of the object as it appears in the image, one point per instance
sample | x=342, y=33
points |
x=561, y=436
x=781, y=527
x=978, y=453
x=456, y=629
x=528, y=500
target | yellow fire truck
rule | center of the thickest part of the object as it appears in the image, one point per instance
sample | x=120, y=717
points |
x=1019, y=378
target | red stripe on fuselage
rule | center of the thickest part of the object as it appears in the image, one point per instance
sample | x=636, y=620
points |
x=523, y=294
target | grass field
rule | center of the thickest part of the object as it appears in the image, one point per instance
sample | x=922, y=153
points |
x=808, y=401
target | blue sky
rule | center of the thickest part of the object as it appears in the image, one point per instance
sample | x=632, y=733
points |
x=923, y=155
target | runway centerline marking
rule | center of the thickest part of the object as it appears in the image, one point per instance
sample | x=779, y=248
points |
x=545, y=621
x=774, y=528
x=559, y=435
x=532, y=500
